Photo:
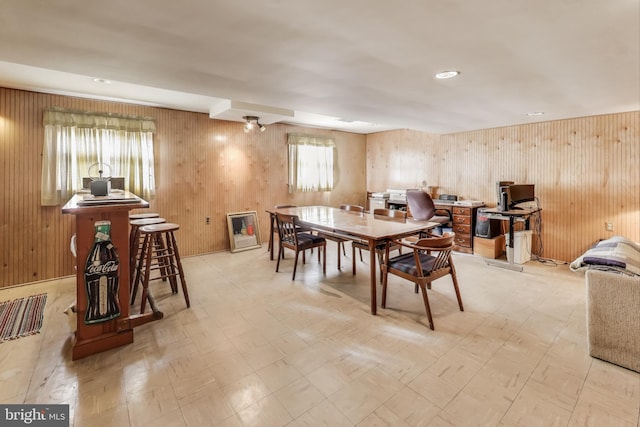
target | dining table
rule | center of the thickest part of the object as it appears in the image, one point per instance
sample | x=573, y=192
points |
x=357, y=226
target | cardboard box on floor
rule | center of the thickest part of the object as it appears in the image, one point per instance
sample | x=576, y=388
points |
x=489, y=248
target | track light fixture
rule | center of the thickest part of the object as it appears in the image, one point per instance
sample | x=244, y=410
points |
x=252, y=122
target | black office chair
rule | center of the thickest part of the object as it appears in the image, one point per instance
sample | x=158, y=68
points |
x=422, y=209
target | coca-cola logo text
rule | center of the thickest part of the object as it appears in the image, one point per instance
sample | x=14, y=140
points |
x=105, y=268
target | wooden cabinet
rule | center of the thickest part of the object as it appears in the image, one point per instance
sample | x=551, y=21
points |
x=93, y=338
x=464, y=224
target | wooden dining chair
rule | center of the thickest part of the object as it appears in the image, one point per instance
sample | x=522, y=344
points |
x=429, y=260
x=274, y=227
x=382, y=214
x=339, y=239
x=292, y=238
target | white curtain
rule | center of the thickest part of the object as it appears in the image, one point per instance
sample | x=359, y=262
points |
x=75, y=140
x=310, y=163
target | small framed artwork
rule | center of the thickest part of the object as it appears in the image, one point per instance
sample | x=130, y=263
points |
x=244, y=232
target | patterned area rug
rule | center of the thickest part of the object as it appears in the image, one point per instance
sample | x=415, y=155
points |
x=21, y=317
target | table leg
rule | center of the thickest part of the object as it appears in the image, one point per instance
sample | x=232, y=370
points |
x=510, y=264
x=271, y=231
x=372, y=275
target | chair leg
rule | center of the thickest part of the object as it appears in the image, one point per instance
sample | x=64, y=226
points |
x=324, y=258
x=295, y=264
x=339, y=263
x=425, y=298
x=280, y=256
x=455, y=285
x=416, y=288
x=384, y=288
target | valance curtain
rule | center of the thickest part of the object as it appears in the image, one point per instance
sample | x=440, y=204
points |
x=75, y=140
x=310, y=163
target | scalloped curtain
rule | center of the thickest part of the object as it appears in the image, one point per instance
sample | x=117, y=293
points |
x=75, y=140
x=310, y=163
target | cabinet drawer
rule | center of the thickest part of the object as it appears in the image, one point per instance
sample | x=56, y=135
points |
x=462, y=229
x=461, y=211
x=463, y=241
x=460, y=219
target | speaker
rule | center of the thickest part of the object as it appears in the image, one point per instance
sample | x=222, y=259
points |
x=99, y=188
x=485, y=227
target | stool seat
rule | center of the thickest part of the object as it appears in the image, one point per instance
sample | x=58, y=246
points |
x=159, y=228
x=144, y=215
x=147, y=221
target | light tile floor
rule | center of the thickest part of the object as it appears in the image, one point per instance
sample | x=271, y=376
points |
x=257, y=349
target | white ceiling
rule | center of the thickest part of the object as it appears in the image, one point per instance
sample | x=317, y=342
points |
x=356, y=65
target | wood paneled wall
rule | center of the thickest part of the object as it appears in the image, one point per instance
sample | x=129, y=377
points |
x=586, y=172
x=204, y=168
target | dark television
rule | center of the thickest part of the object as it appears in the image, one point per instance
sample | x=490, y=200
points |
x=521, y=193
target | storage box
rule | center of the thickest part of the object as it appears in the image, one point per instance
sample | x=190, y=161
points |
x=489, y=248
x=521, y=246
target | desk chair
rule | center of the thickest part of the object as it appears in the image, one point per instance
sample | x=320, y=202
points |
x=292, y=238
x=382, y=214
x=429, y=260
x=422, y=209
x=338, y=238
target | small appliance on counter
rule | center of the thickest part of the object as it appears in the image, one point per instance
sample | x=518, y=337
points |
x=447, y=199
x=397, y=195
x=378, y=200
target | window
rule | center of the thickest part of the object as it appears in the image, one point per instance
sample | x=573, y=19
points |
x=310, y=163
x=75, y=140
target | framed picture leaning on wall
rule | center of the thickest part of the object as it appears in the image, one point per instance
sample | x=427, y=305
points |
x=244, y=232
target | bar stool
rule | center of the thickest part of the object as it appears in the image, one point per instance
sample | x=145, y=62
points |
x=168, y=257
x=143, y=215
x=135, y=244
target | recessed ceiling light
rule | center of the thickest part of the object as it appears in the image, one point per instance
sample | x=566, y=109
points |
x=535, y=113
x=446, y=74
x=103, y=81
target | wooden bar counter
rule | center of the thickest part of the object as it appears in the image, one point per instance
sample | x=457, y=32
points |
x=97, y=337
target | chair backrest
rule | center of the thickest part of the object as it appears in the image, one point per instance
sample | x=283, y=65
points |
x=352, y=208
x=442, y=245
x=287, y=229
x=390, y=214
x=285, y=206
x=437, y=242
x=421, y=205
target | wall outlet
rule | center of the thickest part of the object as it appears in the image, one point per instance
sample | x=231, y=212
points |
x=608, y=226
x=207, y=220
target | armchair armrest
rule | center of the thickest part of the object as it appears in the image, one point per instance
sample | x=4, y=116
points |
x=444, y=212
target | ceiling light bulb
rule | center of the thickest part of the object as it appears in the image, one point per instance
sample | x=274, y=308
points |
x=446, y=74
x=103, y=81
x=249, y=125
x=262, y=128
